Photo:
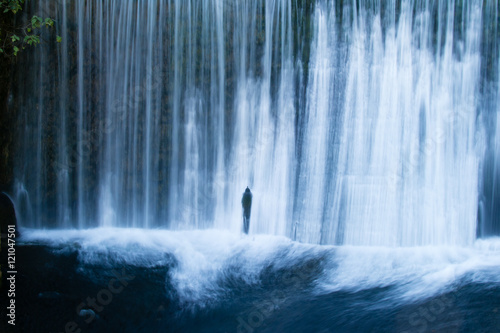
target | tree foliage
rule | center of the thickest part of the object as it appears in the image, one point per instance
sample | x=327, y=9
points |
x=15, y=37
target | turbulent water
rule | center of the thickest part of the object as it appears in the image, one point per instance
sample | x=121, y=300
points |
x=204, y=260
x=368, y=132
x=353, y=122
x=216, y=281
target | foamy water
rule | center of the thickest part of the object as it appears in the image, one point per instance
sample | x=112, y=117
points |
x=204, y=261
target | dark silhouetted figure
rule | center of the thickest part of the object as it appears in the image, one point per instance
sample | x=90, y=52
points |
x=246, y=203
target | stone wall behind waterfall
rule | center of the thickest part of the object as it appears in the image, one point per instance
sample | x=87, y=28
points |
x=353, y=122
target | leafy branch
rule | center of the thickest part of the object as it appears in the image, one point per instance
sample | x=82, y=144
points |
x=14, y=38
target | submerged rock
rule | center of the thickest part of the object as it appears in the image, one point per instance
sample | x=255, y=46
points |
x=49, y=295
x=88, y=313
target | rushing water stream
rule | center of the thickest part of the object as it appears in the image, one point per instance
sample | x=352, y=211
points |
x=353, y=122
x=368, y=132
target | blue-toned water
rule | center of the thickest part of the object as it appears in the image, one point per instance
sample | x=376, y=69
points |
x=368, y=132
x=353, y=122
x=216, y=281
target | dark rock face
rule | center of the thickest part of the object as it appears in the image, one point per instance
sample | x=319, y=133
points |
x=55, y=292
x=7, y=214
x=7, y=126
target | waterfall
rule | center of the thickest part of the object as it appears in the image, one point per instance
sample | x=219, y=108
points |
x=353, y=122
x=320, y=110
x=409, y=160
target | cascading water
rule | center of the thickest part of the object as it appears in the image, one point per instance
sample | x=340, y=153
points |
x=409, y=160
x=354, y=122
x=369, y=124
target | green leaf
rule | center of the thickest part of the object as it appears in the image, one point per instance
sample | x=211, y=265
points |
x=36, y=21
x=16, y=49
x=49, y=22
x=32, y=39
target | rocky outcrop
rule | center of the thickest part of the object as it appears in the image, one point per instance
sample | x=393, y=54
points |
x=7, y=215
